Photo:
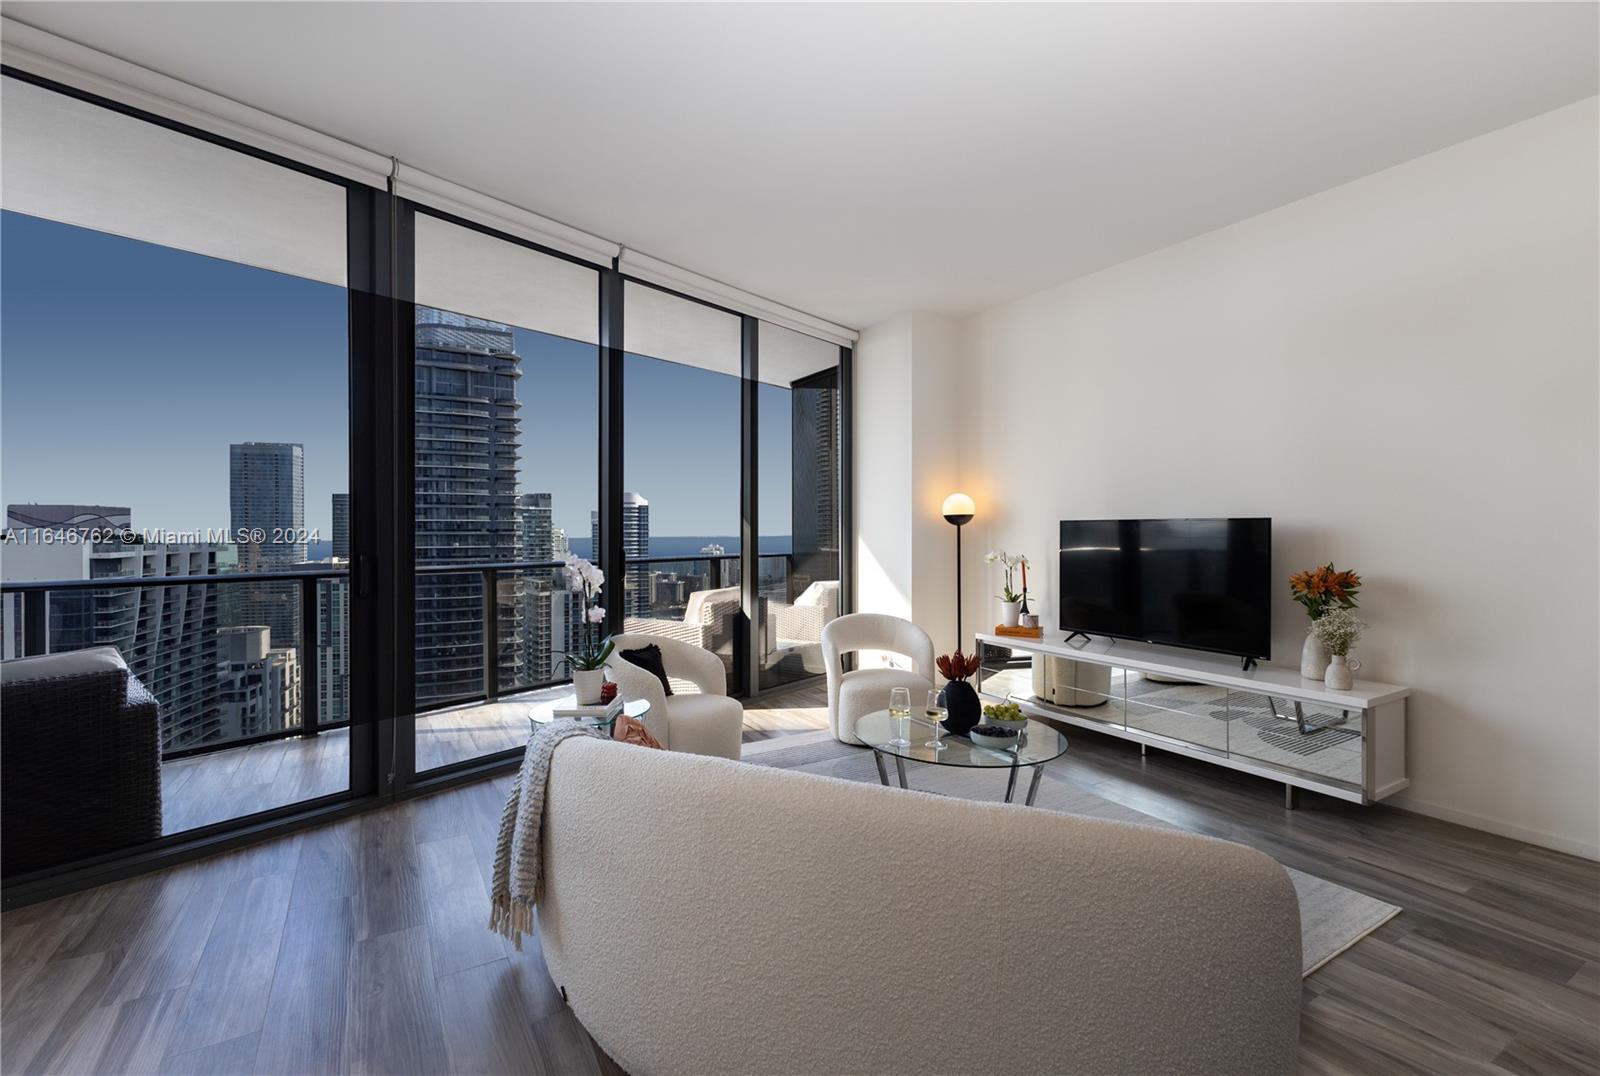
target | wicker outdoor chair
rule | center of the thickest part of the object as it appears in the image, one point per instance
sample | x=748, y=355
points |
x=80, y=759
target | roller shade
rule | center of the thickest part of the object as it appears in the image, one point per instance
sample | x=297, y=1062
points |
x=655, y=271
x=680, y=330
x=466, y=271
x=429, y=190
x=77, y=163
x=786, y=356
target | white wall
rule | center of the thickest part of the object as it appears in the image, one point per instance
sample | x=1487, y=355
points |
x=909, y=425
x=1402, y=372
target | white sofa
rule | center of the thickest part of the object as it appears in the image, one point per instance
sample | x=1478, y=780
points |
x=853, y=695
x=702, y=722
x=755, y=920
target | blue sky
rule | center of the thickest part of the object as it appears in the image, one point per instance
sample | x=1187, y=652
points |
x=126, y=370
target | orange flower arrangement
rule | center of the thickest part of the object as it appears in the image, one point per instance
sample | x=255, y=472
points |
x=1319, y=589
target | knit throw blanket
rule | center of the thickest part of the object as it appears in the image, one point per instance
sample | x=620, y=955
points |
x=518, y=856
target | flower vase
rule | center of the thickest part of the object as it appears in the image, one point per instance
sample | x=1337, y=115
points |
x=1010, y=613
x=1313, y=657
x=961, y=706
x=1339, y=675
x=588, y=683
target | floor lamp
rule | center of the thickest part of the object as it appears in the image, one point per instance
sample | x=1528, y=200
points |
x=958, y=511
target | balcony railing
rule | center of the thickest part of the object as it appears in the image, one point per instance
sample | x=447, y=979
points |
x=704, y=572
x=32, y=634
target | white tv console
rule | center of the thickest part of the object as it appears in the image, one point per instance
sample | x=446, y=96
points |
x=1267, y=721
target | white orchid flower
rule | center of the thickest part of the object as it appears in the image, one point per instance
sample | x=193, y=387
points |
x=597, y=615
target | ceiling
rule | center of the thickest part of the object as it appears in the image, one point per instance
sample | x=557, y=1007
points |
x=858, y=161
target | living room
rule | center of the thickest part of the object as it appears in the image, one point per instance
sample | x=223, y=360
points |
x=663, y=538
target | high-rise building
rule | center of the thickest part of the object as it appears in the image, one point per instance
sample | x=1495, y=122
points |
x=333, y=649
x=258, y=684
x=635, y=544
x=467, y=441
x=341, y=526
x=166, y=634
x=814, y=492
x=267, y=493
x=535, y=542
x=267, y=511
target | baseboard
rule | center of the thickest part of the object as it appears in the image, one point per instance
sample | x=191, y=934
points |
x=1494, y=825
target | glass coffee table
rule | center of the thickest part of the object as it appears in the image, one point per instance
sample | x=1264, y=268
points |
x=1038, y=744
x=540, y=712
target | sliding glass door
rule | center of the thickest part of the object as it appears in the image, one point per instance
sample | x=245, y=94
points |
x=799, y=481
x=505, y=475
x=175, y=444
x=680, y=513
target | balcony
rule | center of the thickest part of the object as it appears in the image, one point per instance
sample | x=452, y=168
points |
x=218, y=763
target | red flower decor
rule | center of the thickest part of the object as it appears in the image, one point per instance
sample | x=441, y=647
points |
x=957, y=666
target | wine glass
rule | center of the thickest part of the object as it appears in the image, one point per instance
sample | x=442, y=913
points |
x=935, y=713
x=900, y=711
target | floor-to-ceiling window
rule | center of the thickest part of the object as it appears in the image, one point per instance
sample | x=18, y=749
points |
x=680, y=512
x=505, y=479
x=202, y=472
x=798, y=460
x=175, y=416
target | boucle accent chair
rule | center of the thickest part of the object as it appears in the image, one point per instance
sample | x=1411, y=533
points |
x=784, y=922
x=853, y=695
x=704, y=722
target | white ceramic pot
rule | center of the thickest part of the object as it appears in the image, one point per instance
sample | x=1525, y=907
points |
x=1010, y=613
x=587, y=683
x=1313, y=657
x=1340, y=670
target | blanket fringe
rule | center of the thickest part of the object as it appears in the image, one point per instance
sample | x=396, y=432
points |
x=511, y=919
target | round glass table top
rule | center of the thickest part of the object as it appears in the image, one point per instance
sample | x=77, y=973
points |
x=541, y=712
x=1039, y=743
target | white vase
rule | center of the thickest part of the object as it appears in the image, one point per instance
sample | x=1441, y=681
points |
x=1313, y=657
x=1340, y=670
x=587, y=683
x=1010, y=613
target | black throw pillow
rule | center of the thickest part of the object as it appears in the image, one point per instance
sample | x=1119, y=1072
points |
x=648, y=658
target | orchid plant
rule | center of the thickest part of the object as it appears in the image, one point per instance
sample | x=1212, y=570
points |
x=1010, y=562
x=585, y=580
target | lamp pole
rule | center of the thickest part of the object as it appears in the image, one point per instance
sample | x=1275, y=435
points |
x=958, y=511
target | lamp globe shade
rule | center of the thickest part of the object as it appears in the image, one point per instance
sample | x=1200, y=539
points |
x=959, y=509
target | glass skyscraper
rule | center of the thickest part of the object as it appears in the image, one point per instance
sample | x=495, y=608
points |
x=467, y=443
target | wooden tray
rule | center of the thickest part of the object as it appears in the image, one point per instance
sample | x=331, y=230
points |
x=1020, y=632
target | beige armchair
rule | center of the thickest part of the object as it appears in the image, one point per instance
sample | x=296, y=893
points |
x=708, y=621
x=853, y=695
x=703, y=721
x=794, y=632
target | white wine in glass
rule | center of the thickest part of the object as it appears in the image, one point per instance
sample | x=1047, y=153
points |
x=936, y=714
x=900, y=711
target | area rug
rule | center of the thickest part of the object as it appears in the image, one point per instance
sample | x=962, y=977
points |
x=1332, y=917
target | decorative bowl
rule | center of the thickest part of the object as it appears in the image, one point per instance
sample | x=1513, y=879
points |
x=995, y=737
x=1016, y=726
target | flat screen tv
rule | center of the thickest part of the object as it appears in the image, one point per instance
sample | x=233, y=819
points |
x=1204, y=584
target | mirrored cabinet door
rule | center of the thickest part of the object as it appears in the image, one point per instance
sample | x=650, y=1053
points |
x=1316, y=739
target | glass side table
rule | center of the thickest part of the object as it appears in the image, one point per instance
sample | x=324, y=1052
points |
x=1039, y=743
x=542, y=713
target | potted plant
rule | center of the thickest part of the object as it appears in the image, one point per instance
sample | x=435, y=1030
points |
x=587, y=662
x=1319, y=590
x=1011, y=599
x=959, y=698
x=1337, y=630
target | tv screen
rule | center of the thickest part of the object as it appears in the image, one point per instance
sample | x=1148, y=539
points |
x=1205, y=584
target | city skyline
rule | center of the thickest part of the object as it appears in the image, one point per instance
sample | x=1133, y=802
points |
x=224, y=353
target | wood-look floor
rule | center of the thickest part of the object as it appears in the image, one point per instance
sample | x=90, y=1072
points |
x=360, y=946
